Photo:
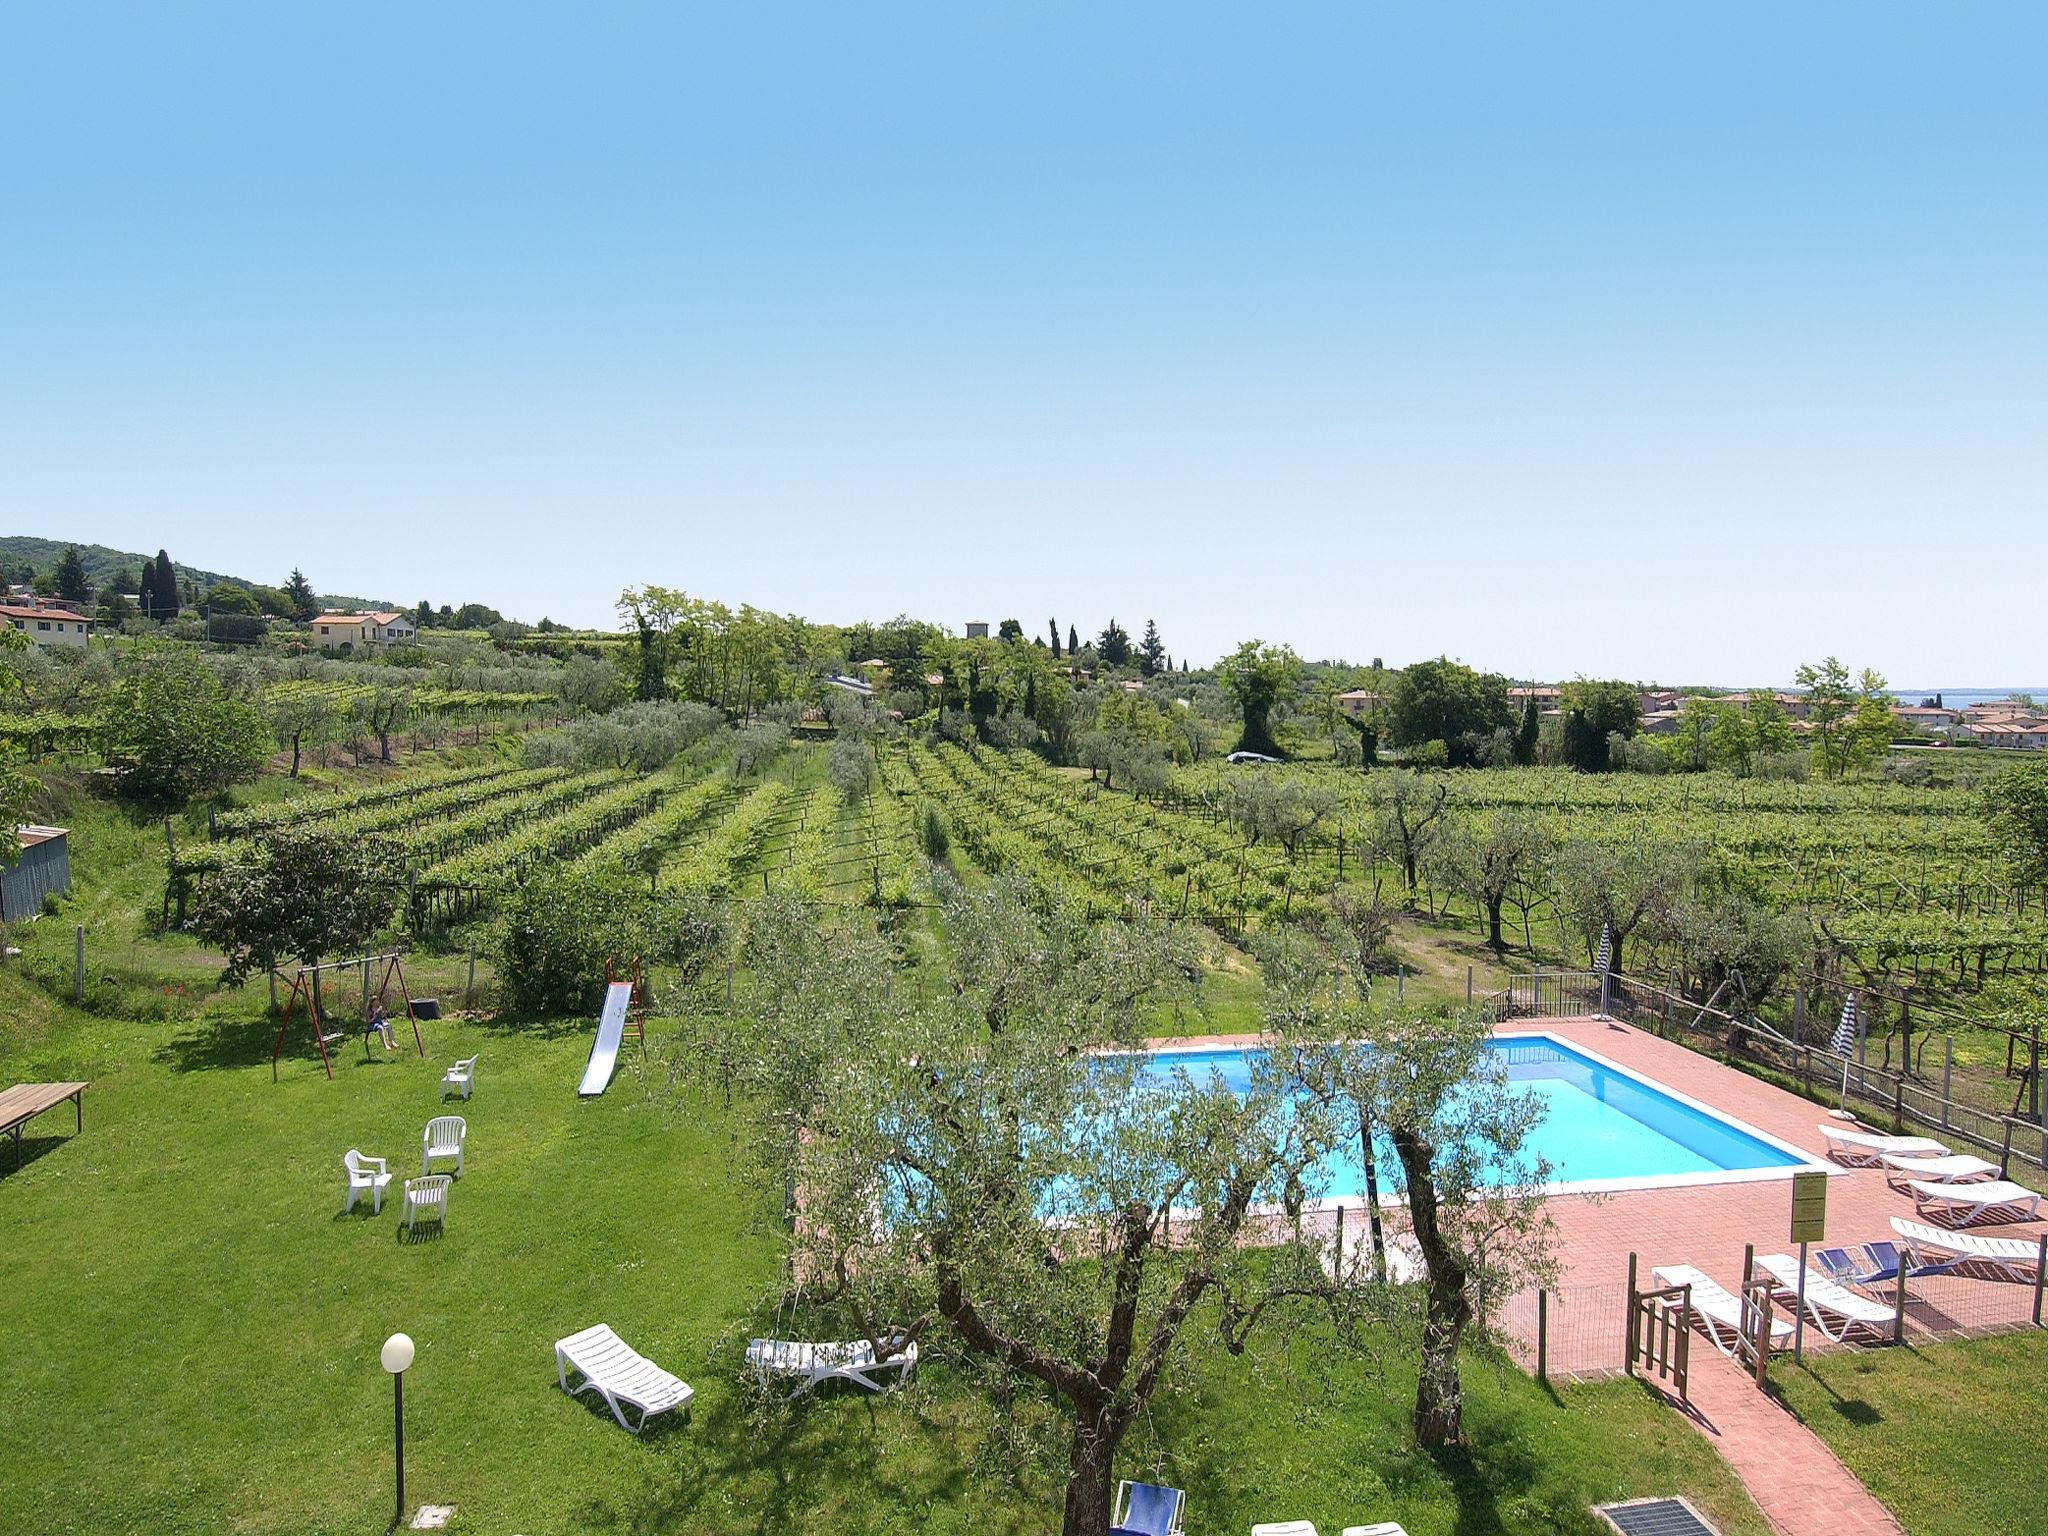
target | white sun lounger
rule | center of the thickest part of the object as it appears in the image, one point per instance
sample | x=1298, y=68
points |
x=1960, y=1169
x=815, y=1364
x=1972, y=1203
x=2013, y=1258
x=618, y=1375
x=1307, y=1528
x=1718, y=1313
x=1834, y=1308
x=1862, y=1149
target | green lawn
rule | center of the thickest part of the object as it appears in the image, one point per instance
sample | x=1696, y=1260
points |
x=1944, y=1436
x=193, y=1331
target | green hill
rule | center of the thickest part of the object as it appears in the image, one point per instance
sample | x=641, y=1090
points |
x=103, y=564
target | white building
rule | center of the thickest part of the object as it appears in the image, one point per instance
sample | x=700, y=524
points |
x=361, y=631
x=48, y=626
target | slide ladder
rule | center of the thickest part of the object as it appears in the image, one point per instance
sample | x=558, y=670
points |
x=604, y=1051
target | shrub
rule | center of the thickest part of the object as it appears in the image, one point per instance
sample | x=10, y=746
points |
x=555, y=932
x=932, y=835
x=171, y=730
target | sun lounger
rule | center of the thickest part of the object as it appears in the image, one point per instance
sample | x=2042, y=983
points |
x=1862, y=1149
x=1307, y=1528
x=1972, y=1203
x=815, y=1364
x=1875, y=1264
x=1718, y=1313
x=1959, y=1169
x=1384, y=1528
x=1147, y=1509
x=621, y=1377
x=2010, y=1258
x=1834, y=1309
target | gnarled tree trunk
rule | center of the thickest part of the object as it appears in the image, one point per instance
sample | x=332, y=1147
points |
x=1438, y=1403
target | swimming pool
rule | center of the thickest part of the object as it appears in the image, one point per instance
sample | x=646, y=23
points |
x=1602, y=1126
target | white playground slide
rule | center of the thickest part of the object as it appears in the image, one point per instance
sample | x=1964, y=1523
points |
x=604, y=1051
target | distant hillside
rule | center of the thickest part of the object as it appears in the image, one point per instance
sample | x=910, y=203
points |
x=103, y=564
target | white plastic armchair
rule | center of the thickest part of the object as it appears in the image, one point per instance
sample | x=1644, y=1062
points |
x=359, y=1172
x=426, y=1199
x=460, y=1077
x=442, y=1138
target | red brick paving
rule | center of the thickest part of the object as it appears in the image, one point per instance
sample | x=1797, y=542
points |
x=1789, y=1471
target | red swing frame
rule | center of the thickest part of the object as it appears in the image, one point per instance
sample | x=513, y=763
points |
x=302, y=987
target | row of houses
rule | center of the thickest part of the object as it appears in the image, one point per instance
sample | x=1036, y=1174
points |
x=1999, y=723
x=47, y=623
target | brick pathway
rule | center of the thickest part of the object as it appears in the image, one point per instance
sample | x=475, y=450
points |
x=1789, y=1471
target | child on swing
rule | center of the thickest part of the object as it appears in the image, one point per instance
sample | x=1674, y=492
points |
x=381, y=1026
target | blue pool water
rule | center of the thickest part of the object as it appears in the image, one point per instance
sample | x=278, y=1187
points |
x=1597, y=1123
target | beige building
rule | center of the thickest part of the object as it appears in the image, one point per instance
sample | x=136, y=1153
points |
x=49, y=626
x=362, y=631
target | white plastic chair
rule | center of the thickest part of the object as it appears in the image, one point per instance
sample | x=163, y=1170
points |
x=426, y=1199
x=460, y=1076
x=361, y=1172
x=442, y=1138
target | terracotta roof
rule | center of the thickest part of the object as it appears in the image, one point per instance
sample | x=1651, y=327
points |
x=340, y=618
x=17, y=611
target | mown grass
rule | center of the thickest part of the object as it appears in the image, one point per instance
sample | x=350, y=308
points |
x=1946, y=1436
x=193, y=1330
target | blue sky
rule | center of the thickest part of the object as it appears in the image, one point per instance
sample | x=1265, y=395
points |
x=1678, y=343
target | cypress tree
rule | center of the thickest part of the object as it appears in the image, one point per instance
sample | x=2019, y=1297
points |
x=1073, y=641
x=1054, y=626
x=1525, y=738
x=145, y=587
x=164, y=599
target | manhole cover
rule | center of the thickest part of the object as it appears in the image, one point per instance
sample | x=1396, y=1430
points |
x=432, y=1517
x=1655, y=1517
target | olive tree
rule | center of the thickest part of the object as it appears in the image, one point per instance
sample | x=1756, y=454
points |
x=969, y=1172
x=1622, y=886
x=298, y=892
x=1258, y=678
x=1488, y=859
x=1417, y=1090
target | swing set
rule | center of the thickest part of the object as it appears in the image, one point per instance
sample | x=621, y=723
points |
x=303, y=989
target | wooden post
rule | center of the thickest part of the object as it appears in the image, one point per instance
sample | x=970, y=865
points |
x=2005, y=1151
x=1899, y=1105
x=1899, y=1305
x=1468, y=1004
x=2040, y=1276
x=469, y=979
x=1543, y=1330
x=1628, y=1351
x=1948, y=1066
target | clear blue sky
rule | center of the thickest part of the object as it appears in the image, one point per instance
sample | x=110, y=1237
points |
x=1680, y=343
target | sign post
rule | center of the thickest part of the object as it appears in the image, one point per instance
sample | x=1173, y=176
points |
x=1809, y=1225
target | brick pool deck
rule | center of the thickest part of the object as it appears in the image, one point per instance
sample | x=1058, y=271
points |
x=1798, y=1483
x=1706, y=1225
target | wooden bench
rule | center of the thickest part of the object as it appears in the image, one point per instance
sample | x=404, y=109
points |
x=24, y=1101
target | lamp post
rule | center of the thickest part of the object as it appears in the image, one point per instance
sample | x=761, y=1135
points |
x=396, y=1356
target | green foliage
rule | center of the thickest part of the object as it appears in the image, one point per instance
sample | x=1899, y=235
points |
x=932, y=837
x=1593, y=713
x=1257, y=677
x=171, y=730
x=2018, y=803
x=308, y=893
x=1444, y=701
x=71, y=582
x=305, y=603
x=1113, y=646
x=554, y=933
